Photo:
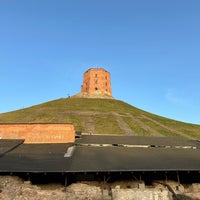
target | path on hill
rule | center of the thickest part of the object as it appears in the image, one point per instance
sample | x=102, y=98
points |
x=144, y=126
x=168, y=128
x=90, y=124
x=123, y=125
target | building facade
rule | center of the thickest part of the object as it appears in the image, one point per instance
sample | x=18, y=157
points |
x=97, y=82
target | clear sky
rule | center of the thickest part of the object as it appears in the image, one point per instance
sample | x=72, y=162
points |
x=150, y=47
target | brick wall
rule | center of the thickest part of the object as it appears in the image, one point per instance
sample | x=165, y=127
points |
x=97, y=81
x=38, y=133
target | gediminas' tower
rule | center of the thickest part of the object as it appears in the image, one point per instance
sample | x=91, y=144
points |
x=96, y=83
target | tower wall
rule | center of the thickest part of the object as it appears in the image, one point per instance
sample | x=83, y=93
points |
x=96, y=81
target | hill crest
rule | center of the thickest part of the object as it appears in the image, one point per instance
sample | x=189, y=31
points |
x=102, y=116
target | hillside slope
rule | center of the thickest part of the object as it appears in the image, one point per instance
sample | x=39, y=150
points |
x=102, y=116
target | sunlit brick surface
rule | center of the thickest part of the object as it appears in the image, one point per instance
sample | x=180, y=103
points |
x=97, y=81
x=38, y=133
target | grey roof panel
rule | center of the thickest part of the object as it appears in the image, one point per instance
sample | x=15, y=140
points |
x=86, y=158
x=134, y=140
x=134, y=159
x=7, y=145
x=36, y=158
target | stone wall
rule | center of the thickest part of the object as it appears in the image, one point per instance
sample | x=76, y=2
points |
x=15, y=188
x=38, y=133
x=96, y=81
x=137, y=194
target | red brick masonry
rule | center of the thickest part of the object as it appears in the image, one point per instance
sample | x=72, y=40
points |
x=38, y=133
x=96, y=81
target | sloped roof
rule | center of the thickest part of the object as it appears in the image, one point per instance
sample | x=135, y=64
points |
x=35, y=158
x=9, y=145
x=94, y=154
x=134, y=159
x=135, y=140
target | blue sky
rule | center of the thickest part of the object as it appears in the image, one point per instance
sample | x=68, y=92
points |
x=151, y=48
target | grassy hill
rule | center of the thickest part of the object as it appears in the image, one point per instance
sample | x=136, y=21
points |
x=102, y=116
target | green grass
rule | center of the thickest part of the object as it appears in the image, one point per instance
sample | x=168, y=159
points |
x=106, y=124
x=160, y=129
x=138, y=130
x=102, y=112
x=189, y=129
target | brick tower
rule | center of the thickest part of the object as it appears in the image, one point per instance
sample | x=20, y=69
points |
x=96, y=83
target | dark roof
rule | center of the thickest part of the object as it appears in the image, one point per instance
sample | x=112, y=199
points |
x=134, y=159
x=165, y=155
x=135, y=140
x=8, y=145
x=36, y=158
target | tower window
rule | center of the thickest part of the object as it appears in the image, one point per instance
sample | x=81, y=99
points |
x=95, y=75
x=96, y=88
x=96, y=82
x=106, y=77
